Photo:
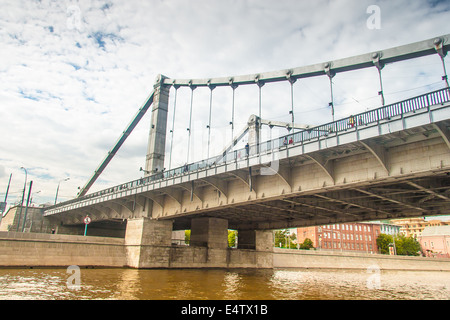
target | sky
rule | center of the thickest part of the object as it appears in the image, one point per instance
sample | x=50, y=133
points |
x=74, y=73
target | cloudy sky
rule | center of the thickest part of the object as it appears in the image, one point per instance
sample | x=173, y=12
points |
x=74, y=73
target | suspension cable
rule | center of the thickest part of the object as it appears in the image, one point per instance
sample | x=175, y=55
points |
x=190, y=122
x=211, y=87
x=379, y=65
x=173, y=124
x=292, y=81
x=233, y=86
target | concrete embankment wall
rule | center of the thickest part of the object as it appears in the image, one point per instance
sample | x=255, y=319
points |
x=284, y=258
x=19, y=249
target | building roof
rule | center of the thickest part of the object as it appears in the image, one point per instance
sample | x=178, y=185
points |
x=436, y=231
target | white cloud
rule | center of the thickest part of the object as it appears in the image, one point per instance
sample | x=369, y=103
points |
x=73, y=73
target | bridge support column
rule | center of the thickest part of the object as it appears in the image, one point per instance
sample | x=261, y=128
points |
x=209, y=232
x=212, y=235
x=262, y=242
x=148, y=243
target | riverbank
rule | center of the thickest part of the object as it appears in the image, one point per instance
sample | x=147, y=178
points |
x=309, y=259
x=54, y=250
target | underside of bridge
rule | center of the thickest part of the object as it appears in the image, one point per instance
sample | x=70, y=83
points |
x=400, y=174
x=408, y=197
x=405, y=194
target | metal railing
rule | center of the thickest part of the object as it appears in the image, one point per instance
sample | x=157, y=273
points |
x=353, y=121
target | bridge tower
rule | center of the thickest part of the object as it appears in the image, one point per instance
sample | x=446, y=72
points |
x=157, y=137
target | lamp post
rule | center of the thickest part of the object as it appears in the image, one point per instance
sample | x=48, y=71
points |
x=26, y=208
x=32, y=195
x=23, y=196
x=57, y=189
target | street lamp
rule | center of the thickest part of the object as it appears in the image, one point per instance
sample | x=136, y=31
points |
x=32, y=195
x=57, y=189
x=23, y=196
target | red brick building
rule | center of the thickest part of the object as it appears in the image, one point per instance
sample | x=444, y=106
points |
x=342, y=237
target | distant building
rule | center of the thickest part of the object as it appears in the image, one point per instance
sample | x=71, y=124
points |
x=342, y=237
x=414, y=226
x=435, y=241
x=387, y=228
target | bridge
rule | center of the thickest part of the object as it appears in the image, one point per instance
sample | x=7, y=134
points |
x=389, y=162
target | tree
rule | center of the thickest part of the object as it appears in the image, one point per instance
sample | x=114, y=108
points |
x=232, y=238
x=284, y=239
x=383, y=242
x=187, y=236
x=307, y=244
x=407, y=246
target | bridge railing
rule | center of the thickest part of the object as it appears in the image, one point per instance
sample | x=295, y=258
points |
x=353, y=121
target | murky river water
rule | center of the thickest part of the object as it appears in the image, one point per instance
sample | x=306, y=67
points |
x=211, y=284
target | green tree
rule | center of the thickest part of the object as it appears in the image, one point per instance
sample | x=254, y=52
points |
x=307, y=244
x=232, y=238
x=383, y=242
x=285, y=239
x=407, y=246
x=187, y=236
x=404, y=246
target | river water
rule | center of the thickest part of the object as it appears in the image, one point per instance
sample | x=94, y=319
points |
x=220, y=284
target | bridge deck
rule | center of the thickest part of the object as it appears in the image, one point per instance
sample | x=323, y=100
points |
x=423, y=116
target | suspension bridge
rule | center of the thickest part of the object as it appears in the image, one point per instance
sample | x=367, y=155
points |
x=388, y=162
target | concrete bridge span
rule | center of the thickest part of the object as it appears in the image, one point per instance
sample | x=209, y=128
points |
x=394, y=167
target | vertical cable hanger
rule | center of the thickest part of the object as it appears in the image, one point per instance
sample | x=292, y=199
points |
x=330, y=73
x=291, y=80
x=173, y=124
x=233, y=86
x=438, y=45
x=380, y=65
x=190, y=120
x=260, y=85
x=211, y=87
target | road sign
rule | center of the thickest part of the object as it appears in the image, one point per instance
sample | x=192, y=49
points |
x=86, y=220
